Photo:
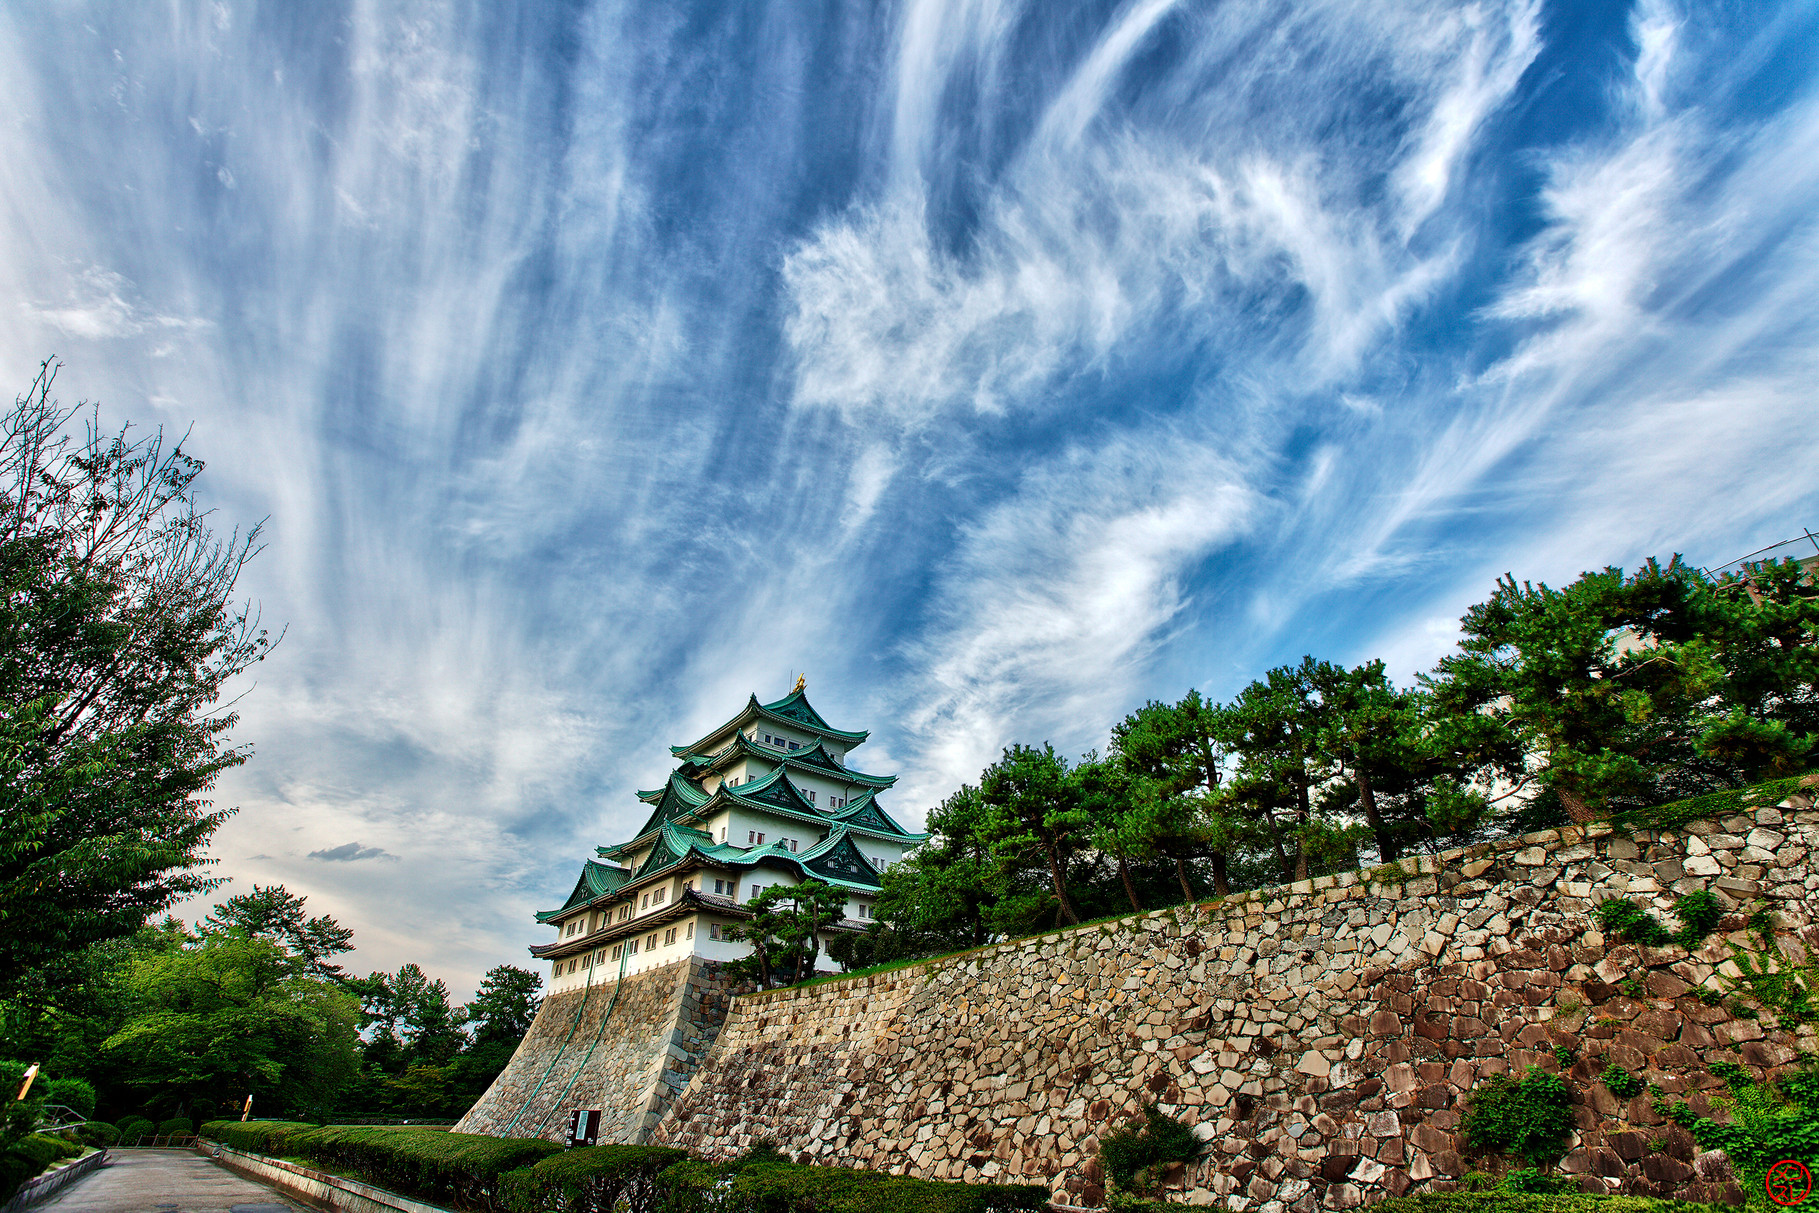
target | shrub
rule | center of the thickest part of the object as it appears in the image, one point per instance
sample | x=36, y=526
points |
x=1528, y=1116
x=202, y=1110
x=135, y=1127
x=72, y=1093
x=589, y=1179
x=30, y=1155
x=176, y=1126
x=1132, y=1154
x=787, y=1188
x=1620, y=1082
x=98, y=1133
x=430, y=1164
x=1563, y=1056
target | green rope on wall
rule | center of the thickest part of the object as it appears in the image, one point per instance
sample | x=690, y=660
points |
x=549, y=1069
x=624, y=955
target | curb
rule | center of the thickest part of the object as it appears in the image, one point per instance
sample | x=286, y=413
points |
x=42, y=1186
x=316, y=1188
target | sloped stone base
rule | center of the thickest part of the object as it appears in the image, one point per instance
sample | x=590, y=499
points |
x=628, y=1056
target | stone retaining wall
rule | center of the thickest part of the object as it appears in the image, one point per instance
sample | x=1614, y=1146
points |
x=628, y=1056
x=1321, y=1036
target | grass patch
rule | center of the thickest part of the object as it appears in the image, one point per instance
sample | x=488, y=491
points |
x=1713, y=804
x=1522, y=1202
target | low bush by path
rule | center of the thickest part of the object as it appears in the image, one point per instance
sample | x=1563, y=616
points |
x=522, y=1175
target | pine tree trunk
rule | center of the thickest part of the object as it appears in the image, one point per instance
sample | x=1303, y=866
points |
x=1222, y=886
x=1130, y=890
x=1187, y=890
x=1282, y=862
x=1575, y=805
x=1387, y=849
x=1068, y=914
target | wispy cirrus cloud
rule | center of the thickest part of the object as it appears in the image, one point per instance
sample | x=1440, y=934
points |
x=1002, y=368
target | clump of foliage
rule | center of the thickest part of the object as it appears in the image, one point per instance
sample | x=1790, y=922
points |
x=1620, y=1082
x=1529, y=1116
x=1768, y=1121
x=784, y=931
x=1133, y=1155
x=1534, y=1182
x=1699, y=913
x=1564, y=1056
x=1771, y=979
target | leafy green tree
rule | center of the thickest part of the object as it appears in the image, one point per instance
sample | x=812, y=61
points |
x=274, y=913
x=1172, y=756
x=505, y=1004
x=1272, y=729
x=117, y=633
x=410, y=1019
x=1623, y=690
x=1035, y=811
x=234, y=1014
x=785, y=931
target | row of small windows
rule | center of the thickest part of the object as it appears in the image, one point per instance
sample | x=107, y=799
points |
x=781, y=742
x=725, y=888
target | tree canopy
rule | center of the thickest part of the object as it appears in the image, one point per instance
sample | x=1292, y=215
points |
x=118, y=633
x=1617, y=691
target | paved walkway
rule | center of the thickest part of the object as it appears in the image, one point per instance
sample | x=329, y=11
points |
x=165, y=1181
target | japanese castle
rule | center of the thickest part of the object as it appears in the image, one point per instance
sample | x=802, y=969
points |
x=765, y=799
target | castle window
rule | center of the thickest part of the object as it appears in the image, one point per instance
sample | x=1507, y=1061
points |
x=864, y=910
x=618, y=950
x=792, y=844
x=722, y=833
x=558, y=970
x=634, y=947
x=757, y=891
x=751, y=836
x=811, y=796
x=760, y=840
x=600, y=957
x=571, y=966
x=646, y=903
x=669, y=937
x=651, y=942
x=691, y=931
x=795, y=745
x=658, y=895
x=713, y=930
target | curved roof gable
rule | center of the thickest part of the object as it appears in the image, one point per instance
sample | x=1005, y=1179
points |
x=839, y=860
x=866, y=813
x=596, y=878
x=793, y=709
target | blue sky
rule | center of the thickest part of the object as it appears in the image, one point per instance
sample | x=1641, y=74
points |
x=1001, y=365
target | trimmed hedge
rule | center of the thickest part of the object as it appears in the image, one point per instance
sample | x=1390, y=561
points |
x=98, y=1133
x=787, y=1188
x=520, y=1175
x=590, y=1179
x=430, y=1164
x=30, y=1155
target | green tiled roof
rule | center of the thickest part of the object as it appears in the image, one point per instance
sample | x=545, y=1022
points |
x=793, y=709
x=596, y=879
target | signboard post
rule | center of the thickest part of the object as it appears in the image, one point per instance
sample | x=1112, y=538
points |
x=584, y=1127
